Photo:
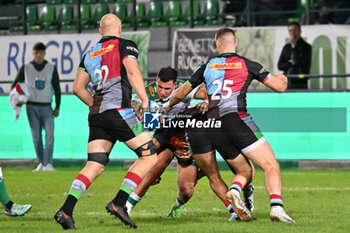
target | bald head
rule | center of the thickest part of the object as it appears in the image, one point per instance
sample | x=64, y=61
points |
x=226, y=40
x=110, y=25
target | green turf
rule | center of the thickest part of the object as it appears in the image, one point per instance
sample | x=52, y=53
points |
x=319, y=201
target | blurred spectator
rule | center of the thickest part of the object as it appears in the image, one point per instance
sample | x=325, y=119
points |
x=295, y=57
x=266, y=10
x=42, y=81
x=234, y=6
x=328, y=11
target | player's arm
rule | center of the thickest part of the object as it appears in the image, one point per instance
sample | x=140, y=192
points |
x=178, y=95
x=82, y=79
x=276, y=82
x=203, y=95
x=56, y=86
x=196, y=79
x=136, y=80
x=19, y=78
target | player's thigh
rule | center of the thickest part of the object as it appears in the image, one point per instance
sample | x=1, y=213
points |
x=206, y=162
x=163, y=136
x=100, y=146
x=239, y=164
x=198, y=141
x=139, y=140
x=263, y=156
x=238, y=133
x=100, y=139
x=164, y=159
x=186, y=175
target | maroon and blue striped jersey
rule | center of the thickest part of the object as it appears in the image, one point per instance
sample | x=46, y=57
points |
x=108, y=76
x=227, y=78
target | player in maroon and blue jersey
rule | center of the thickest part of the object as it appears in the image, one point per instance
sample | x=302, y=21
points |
x=227, y=78
x=111, y=65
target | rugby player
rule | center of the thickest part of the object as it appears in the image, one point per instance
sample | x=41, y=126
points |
x=170, y=143
x=227, y=78
x=111, y=65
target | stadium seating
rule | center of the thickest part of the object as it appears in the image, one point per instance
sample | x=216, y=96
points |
x=32, y=21
x=66, y=18
x=107, y=1
x=174, y=15
x=10, y=15
x=141, y=20
x=53, y=2
x=230, y=20
x=198, y=20
x=48, y=19
x=211, y=12
x=155, y=14
x=86, y=21
x=121, y=10
x=88, y=1
x=100, y=11
x=70, y=1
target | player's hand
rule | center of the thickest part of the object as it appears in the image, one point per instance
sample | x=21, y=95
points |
x=19, y=104
x=144, y=106
x=56, y=112
x=156, y=181
x=167, y=110
x=182, y=154
x=202, y=107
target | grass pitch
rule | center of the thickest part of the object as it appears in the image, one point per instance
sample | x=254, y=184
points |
x=318, y=200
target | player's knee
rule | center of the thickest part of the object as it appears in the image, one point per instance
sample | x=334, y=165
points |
x=186, y=190
x=101, y=158
x=146, y=149
x=214, y=180
x=271, y=165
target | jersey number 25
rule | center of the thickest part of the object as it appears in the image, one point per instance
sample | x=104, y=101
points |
x=226, y=88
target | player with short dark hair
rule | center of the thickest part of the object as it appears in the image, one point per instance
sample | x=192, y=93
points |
x=170, y=142
x=41, y=80
x=227, y=78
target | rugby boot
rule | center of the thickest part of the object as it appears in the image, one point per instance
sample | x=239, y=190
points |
x=122, y=213
x=176, y=212
x=17, y=210
x=240, y=209
x=64, y=220
x=277, y=214
x=248, y=193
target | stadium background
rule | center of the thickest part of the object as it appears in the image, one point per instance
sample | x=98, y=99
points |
x=300, y=125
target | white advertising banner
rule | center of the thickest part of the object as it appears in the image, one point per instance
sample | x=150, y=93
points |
x=330, y=48
x=63, y=50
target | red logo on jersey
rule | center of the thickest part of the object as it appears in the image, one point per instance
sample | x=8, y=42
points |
x=227, y=66
x=102, y=51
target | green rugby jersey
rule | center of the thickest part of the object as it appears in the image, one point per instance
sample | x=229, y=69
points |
x=152, y=94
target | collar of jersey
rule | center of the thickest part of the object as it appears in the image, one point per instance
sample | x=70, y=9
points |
x=227, y=54
x=39, y=67
x=105, y=38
